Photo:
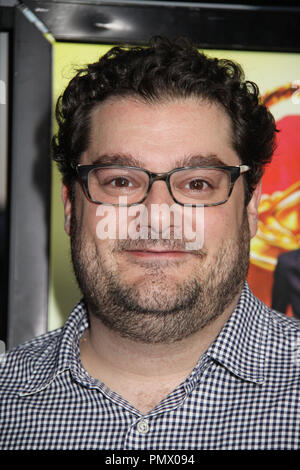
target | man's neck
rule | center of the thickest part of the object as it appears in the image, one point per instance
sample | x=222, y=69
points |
x=134, y=369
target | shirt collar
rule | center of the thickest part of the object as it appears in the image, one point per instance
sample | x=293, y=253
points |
x=240, y=346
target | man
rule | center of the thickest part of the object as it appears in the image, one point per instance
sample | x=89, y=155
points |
x=168, y=349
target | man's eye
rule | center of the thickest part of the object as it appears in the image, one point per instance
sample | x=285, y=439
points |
x=120, y=183
x=196, y=185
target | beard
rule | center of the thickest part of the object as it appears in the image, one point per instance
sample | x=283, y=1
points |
x=159, y=308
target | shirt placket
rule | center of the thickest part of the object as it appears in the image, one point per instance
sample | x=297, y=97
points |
x=146, y=431
x=143, y=429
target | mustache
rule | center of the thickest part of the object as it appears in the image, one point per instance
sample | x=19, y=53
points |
x=148, y=244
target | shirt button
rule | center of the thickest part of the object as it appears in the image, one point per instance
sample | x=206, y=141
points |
x=143, y=427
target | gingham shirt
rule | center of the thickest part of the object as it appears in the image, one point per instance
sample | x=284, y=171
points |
x=243, y=393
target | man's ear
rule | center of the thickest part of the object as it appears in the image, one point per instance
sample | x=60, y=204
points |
x=66, y=198
x=252, y=210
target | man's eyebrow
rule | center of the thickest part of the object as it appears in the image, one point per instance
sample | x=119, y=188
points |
x=116, y=159
x=129, y=160
x=200, y=160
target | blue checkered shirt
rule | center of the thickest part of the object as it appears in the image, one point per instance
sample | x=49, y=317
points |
x=242, y=394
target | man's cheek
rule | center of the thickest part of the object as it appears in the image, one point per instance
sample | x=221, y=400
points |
x=217, y=228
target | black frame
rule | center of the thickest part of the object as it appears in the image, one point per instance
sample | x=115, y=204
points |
x=257, y=26
x=29, y=182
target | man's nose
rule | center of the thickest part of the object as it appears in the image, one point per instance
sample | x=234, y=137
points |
x=161, y=220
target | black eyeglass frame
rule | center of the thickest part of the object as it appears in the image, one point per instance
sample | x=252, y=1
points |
x=235, y=172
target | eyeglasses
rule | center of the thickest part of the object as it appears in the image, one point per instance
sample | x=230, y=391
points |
x=192, y=186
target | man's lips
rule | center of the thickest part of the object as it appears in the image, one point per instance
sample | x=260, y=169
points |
x=158, y=250
x=157, y=253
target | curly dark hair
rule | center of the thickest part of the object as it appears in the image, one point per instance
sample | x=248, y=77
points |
x=165, y=69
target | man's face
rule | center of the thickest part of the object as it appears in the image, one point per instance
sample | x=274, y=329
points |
x=158, y=291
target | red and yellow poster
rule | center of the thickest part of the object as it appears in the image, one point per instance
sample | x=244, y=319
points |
x=279, y=211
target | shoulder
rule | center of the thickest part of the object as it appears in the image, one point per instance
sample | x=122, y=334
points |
x=18, y=364
x=281, y=324
x=288, y=259
x=282, y=349
x=34, y=363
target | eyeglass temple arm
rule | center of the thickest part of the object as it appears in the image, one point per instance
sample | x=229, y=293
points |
x=244, y=168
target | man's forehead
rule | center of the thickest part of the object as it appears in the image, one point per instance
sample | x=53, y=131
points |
x=135, y=103
x=189, y=131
